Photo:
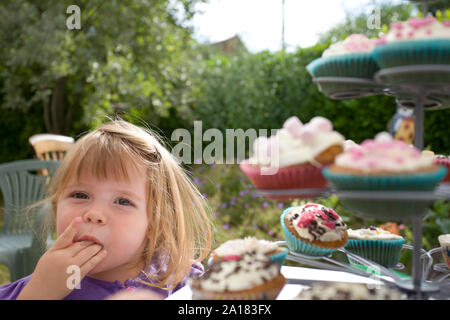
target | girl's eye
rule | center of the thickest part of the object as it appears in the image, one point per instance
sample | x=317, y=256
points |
x=123, y=202
x=79, y=195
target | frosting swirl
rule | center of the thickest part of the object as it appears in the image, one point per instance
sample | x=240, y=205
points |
x=242, y=246
x=295, y=143
x=383, y=154
x=418, y=29
x=316, y=222
x=242, y=273
x=353, y=43
x=372, y=233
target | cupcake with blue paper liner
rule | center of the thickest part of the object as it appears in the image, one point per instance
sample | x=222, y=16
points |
x=418, y=41
x=235, y=248
x=384, y=164
x=348, y=58
x=375, y=244
x=313, y=229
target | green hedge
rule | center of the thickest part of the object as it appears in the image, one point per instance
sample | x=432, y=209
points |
x=262, y=90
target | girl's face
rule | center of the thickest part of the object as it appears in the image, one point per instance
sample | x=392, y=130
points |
x=114, y=214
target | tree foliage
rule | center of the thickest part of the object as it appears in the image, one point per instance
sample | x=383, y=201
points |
x=127, y=56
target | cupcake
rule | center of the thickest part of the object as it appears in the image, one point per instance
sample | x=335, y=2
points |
x=443, y=161
x=250, y=276
x=348, y=58
x=375, y=244
x=418, y=41
x=384, y=164
x=235, y=248
x=293, y=157
x=444, y=241
x=349, y=291
x=313, y=229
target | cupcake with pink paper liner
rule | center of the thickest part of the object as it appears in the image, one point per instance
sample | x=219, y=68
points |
x=235, y=248
x=347, y=58
x=293, y=157
x=417, y=41
x=384, y=164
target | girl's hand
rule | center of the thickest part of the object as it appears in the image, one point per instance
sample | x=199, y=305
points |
x=49, y=279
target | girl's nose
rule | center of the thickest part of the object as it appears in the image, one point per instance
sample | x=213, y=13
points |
x=95, y=215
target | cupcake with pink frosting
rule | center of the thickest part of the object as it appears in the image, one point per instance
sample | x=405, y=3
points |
x=416, y=41
x=293, y=158
x=442, y=160
x=348, y=58
x=384, y=163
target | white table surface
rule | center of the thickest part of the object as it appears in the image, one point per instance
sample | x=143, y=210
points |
x=294, y=275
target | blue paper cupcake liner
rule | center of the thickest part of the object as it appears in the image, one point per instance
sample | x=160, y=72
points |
x=278, y=258
x=412, y=52
x=384, y=252
x=299, y=246
x=353, y=65
x=424, y=181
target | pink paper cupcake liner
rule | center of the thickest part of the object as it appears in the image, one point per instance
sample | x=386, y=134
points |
x=301, y=177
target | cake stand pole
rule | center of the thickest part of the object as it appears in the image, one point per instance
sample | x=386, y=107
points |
x=417, y=221
x=417, y=267
x=419, y=119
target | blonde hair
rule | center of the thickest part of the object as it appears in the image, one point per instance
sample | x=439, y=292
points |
x=179, y=218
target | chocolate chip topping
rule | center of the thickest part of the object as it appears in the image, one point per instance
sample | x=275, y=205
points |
x=315, y=230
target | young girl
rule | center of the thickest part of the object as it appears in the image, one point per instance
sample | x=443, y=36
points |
x=127, y=217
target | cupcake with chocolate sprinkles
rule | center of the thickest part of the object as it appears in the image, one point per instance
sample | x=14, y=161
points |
x=234, y=248
x=349, y=291
x=313, y=229
x=250, y=276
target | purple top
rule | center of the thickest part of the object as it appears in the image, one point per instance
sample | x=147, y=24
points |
x=93, y=289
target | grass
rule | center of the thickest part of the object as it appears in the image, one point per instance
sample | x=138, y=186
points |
x=238, y=212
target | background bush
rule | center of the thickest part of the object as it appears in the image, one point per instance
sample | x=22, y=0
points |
x=263, y=90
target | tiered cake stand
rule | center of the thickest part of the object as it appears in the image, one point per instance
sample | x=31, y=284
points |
x=422, y=87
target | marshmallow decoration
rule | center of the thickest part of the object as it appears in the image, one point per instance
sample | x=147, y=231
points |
x=321, y=124
x=293, y=125
x=383, y=154
x=353, y=43
x=418, y=29
x=296, y=143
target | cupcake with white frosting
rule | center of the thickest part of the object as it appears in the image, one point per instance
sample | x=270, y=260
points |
x=384, y=164
x=375, y=244
x=414, y=42
x=235, y=248
x=313, y=229
x=294, y=156
x=349, y=291
x=347, y=58
x=247, y=277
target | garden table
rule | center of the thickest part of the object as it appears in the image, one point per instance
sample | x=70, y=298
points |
x=298, y=279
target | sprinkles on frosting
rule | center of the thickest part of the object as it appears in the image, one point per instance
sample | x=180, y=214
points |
x=317, y=222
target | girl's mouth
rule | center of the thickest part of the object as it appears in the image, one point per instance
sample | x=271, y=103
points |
x=89, y=238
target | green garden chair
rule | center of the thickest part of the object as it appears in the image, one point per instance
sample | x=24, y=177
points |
x=22, y=241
